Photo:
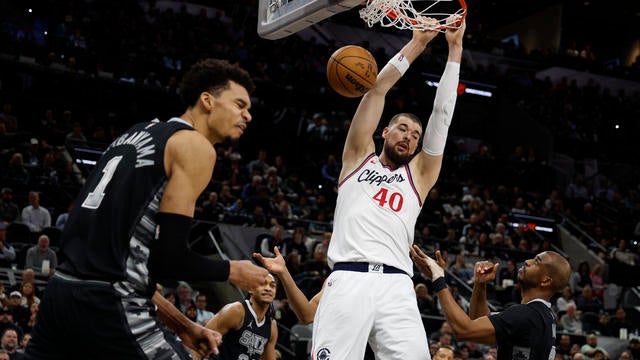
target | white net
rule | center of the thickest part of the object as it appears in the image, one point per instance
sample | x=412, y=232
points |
x=402, y=15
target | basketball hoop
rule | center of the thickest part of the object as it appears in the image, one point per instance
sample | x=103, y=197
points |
x=402, y=14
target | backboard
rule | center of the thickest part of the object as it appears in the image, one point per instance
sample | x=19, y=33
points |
x=281, y=18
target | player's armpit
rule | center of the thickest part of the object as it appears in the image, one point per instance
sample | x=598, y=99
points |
x=425, y=170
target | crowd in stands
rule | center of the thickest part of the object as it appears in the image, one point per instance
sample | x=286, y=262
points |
x=288, y=187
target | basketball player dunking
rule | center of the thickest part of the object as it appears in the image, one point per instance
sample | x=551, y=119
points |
x=379, y=200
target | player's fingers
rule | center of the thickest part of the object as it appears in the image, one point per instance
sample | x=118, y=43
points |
x=419, y=251
x=412, y=251
x=439, y=259
x=258, y=257
x=276, y=251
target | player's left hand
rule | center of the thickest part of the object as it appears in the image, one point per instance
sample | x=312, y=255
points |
x=484, y=271
x=202, y=340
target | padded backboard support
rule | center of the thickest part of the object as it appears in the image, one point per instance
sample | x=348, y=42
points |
x=281, y=18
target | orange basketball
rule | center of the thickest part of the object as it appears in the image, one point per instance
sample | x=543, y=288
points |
x=352, y=71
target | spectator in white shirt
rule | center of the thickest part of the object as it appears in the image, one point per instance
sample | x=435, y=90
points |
x=34, y=215
x=203, y=314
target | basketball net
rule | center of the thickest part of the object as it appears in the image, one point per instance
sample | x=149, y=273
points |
x=402, y=15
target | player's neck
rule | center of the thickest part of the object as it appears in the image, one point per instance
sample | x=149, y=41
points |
x=260, y=309
x=532, y=294
x=384, y=159
x=198, y=120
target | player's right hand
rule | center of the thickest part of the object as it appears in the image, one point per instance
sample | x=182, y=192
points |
x=425, y=36
x=246, y=275
x=275, y=264
x=200, y=339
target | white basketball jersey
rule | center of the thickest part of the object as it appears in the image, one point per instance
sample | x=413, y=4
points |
x=375, y=216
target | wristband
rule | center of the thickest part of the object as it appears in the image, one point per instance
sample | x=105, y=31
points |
x=400, y=62
x=439, y=284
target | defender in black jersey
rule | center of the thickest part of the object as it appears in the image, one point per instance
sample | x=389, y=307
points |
x=248, y=330
x=523, y=331
x=130, y=228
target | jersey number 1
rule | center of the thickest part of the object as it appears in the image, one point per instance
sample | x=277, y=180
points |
x=395, y=200
x=93, y=200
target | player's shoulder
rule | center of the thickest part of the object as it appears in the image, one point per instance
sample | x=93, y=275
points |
x=190, y=143
x=233, y=309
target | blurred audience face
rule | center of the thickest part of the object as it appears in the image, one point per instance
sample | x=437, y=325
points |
x=9, y=340
x=443, y=353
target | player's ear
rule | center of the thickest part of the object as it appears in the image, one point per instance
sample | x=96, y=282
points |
x=207, y=100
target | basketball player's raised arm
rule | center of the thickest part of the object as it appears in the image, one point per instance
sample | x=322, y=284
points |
x=189, y=160
x=425, y=166
x=304, y=309
x=478, y=330
x=359, y=143
x=483, y=272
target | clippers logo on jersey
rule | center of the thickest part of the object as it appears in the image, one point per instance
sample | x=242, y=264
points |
x=323, y=354
x=254, y=342
x=139, y=140
x=374, y=177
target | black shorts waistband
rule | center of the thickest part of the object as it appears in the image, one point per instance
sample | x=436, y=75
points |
x=70, y=278
x=368, y=267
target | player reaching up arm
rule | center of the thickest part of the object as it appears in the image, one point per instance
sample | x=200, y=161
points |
x=304, y=309
x=379, y=200
x=522, y=331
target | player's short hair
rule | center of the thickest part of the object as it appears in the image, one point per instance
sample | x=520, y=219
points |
x=212, y=75
x=411, y=116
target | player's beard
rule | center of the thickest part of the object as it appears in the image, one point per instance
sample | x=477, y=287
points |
x=393, y=155
x=525, y=282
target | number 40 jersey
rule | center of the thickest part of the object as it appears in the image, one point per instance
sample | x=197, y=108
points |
x=375, y=216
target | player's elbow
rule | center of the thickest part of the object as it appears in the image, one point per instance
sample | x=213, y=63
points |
x=464, y=330
x=463, y=335
x=306, y=320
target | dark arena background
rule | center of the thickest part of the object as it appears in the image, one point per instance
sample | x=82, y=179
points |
x=542, y=151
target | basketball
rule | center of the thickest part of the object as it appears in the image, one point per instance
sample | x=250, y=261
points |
x=351, y=71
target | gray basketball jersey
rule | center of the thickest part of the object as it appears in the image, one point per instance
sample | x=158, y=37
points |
x=112, y=224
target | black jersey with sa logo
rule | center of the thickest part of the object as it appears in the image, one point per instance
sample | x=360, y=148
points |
x=526, y=331
x=249, y=341
x=109, y=231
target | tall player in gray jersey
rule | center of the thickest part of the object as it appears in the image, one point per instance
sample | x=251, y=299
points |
x=379, y=200
x=130, y=230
